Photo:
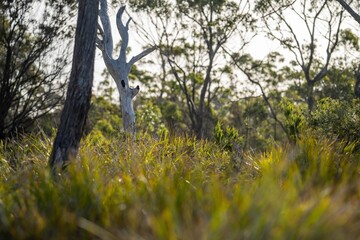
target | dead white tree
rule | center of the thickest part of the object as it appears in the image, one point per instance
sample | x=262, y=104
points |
x=120, y=68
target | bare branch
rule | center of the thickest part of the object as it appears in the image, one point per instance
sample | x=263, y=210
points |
x=300, y=59
x=141, y=55
x=128, y=22
x=119, y=22
x=123, y=30
x=106, y=30
x=281, y=8
x=330, y=49
x=190, y=104
x=312, y=42
x=134, y=91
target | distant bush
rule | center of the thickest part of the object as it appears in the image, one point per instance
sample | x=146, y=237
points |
x=295, y=118
x=337, y=118
x=105, y=117
x=149, y=119
x=228, y=137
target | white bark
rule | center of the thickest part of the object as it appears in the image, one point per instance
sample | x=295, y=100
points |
x=119, y=68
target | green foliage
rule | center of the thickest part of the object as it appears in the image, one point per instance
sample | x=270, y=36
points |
x=227, y=138
x=348, y=37
x=105, y=117
x=251, y=119
x=338, y=84
x=337, y=118
x=149, y=119
x=295, y=119
x=181, y=188
x=267, y=5
x=32, y=63
x=104, y=87
x=171, y=112
x=105, y=127
x=148, y=5
x=172, y=116
x=257, y=111
x=167, y=187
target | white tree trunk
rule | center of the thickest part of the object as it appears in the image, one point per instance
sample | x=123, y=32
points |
x=119, y=68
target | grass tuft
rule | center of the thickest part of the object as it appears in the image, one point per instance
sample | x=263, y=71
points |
x=180, y=188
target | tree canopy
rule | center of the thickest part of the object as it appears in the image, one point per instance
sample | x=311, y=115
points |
x=32, y=62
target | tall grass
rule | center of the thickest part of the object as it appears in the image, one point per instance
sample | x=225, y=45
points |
x=180, y=188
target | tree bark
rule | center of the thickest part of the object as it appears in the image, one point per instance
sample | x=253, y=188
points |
x=119, y=68
x=357, y=84
x=310, y=96
x=78, y=96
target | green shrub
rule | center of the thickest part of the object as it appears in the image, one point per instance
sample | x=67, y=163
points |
x=295, y=119
x=149, y=119
x=228, y=138
x=337, y=118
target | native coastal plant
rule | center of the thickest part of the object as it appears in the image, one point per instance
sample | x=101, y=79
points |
x=180, y=187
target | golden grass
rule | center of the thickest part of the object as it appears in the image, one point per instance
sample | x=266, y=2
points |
x=180, y=188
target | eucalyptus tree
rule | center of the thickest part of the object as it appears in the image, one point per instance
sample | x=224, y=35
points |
x=350, y=9
x=31, y=61
x=191, y=35
x=119, y=68
x=312, y=48
x=77, y=103
x=265, y=75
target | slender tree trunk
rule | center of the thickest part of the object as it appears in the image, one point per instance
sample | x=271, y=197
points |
x=78, y=96
x=310, y=96
x=2, y=130
x=199, y=125
x=5, y=92
x=357, y=84
x=4, y=110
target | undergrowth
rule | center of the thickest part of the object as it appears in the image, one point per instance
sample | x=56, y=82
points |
x=180, y=188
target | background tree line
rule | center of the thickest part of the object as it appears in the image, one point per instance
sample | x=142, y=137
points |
x=204, y=80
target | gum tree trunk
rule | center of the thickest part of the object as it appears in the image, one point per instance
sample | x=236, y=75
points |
x=119, y=68
x=78, y=96
x=357, y=84
x=310, y=96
